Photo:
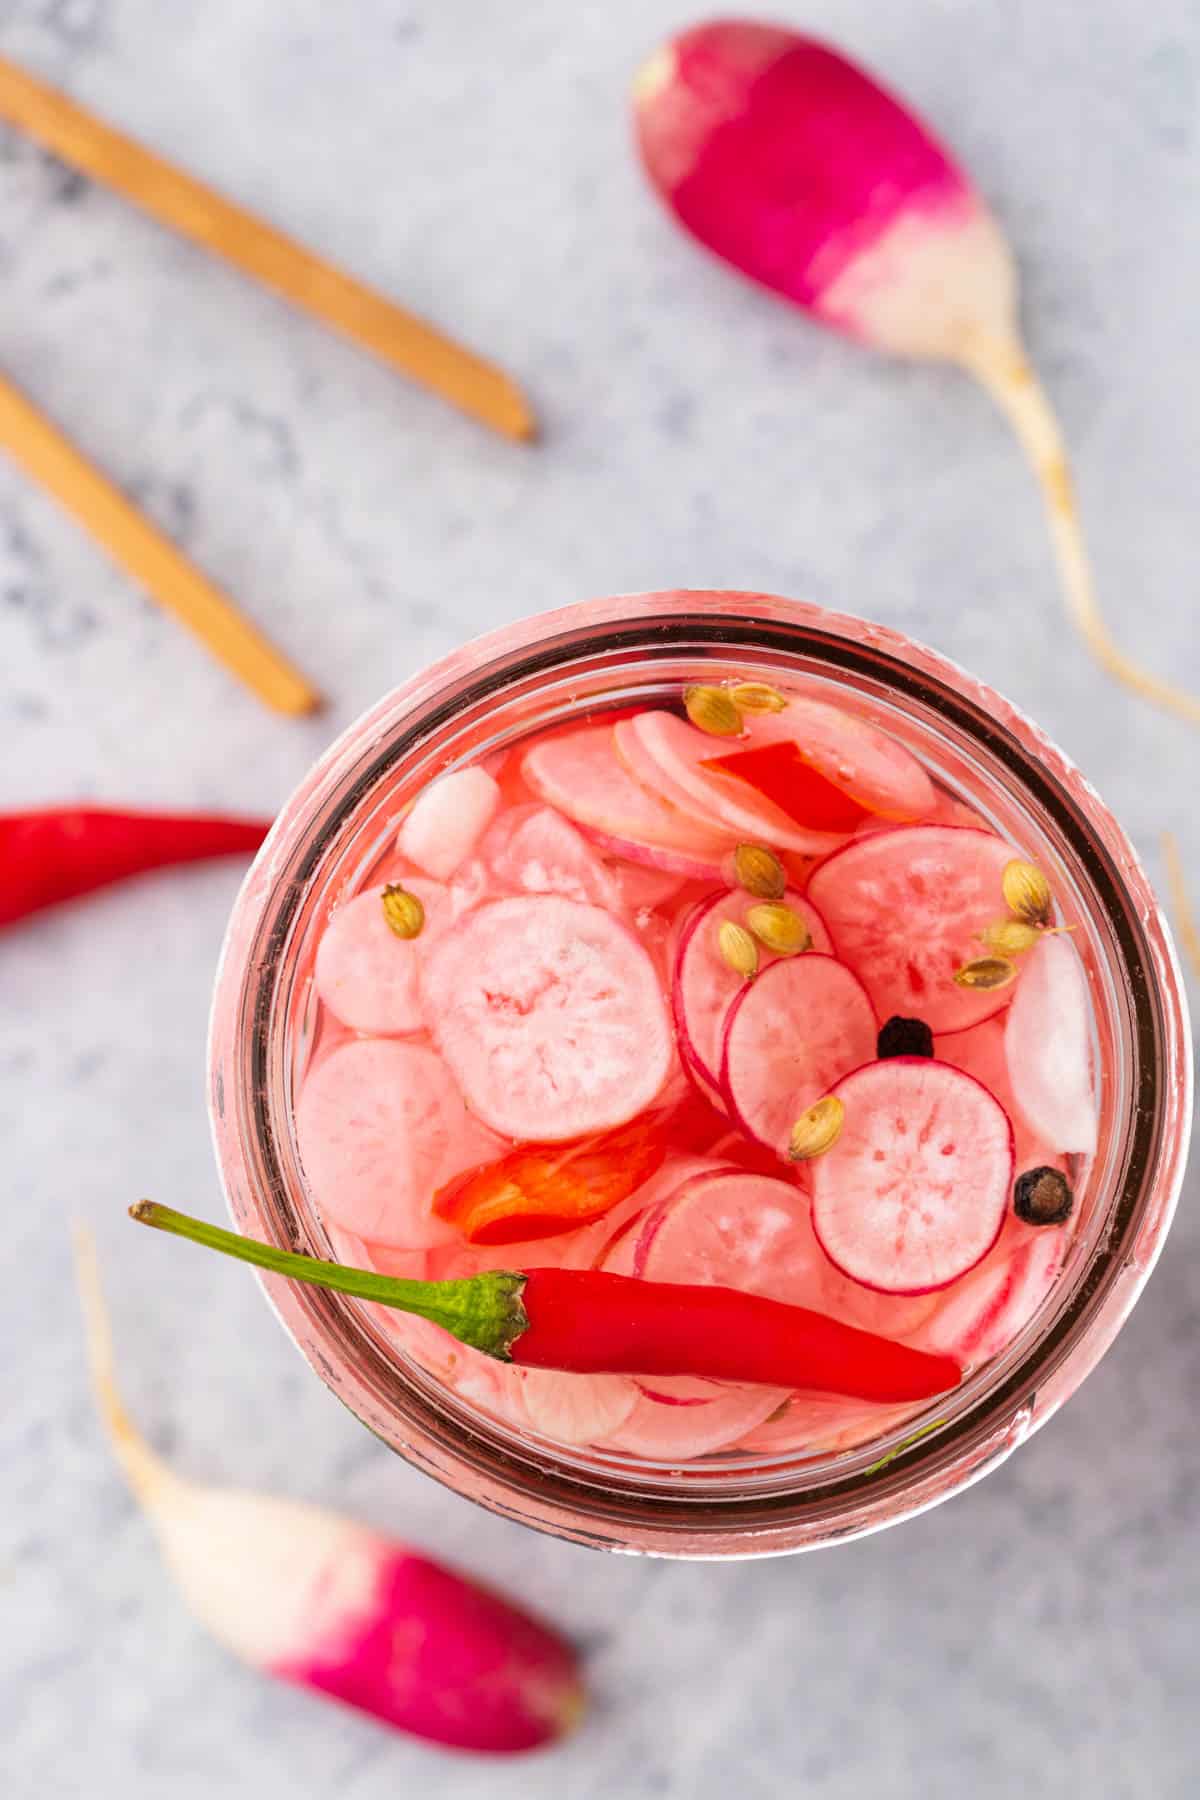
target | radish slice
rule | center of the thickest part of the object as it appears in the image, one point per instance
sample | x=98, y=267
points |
x=704, y=986
x=642, y=889
x=380, y=1127
x=688, y=865
x=905, y=909
x=551, y=1016
x=1047, y=1043
x=666, y=755
x=729, y=1229
x=576, y=1409
x=679, y=1418
x=580, y=774
x=540, y=852
x=365, y=974
x=985, y=1312
x=915, y=1190
x=324, y=1603
x=791, y=1034
x=794, y=165
x=980, y=1052
x=447, y=820
x=820, y=1422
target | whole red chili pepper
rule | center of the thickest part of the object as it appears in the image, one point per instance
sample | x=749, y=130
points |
x=60, y=852
x=585, y=1321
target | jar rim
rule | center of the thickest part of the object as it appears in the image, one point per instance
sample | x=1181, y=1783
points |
x=550, y=1491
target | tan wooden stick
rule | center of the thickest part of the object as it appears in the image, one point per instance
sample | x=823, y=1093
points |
x=185, y=205
x=129, y=537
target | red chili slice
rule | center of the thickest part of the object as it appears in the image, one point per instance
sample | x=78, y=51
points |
x=780, y=773
x=538, y=1190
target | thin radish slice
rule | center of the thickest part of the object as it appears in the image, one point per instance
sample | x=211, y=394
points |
x=380, y=1126
x=729, y=1229
x=447, y=819
x=905, y=910
x=915, y=1190
x=689, y=865
x=817, y=1422
x=704, y=986
x=667, y=754
x=864, y=762
x=677, y=1419
x=1047, y=1043
x=983, y=1314
x=543, y=853
x=365, y=974
x=980, y=1052
x=550, y=1015
x=792, y=1034
x=579, y=773
x=618, y=1249
x=645, y=888
x=325, y=1603
x=576, y=1409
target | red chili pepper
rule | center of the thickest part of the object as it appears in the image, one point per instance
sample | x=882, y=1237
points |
x=586, y=1321
x=780, y=773
x=60, y=852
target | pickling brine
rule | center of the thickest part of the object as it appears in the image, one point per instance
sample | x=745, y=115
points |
x=728, y=990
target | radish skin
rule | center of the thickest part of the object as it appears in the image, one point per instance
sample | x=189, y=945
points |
x=795, y=166
x=324, y=1603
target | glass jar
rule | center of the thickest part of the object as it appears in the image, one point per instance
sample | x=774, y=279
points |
x=605, y=654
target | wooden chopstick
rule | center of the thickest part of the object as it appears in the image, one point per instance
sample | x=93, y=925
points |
x=129, y=537
x=185, y=205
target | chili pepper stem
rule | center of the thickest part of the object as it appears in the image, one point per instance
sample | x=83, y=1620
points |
x=485, y=1311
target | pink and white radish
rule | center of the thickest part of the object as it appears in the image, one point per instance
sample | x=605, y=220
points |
x=905, y=910
x=583, y=1409
x=1047, y=1043
x=550, y=1015
x=731, y=1229
x=365, y=974
x=915, y=1190
x=704, y=986
x=579, y=773
x=980, y=1052
x=795, y=166
x=447, y=820
x=535, y=850
x=680, y=1417
x=380, y=1127
x=790, y=1035
x=982, y=1315
x=330, y=1606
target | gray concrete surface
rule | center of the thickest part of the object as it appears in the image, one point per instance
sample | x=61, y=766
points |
x=1036, y=1635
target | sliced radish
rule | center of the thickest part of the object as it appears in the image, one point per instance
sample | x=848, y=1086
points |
x=731, y=1229
x=678, y=1418
x=643, y=888
x=365, y=974
x=915, y=1190
x=704, y=986
x=447, y=820
x=689, y=865
x=791, y=1034
x=980, y=1052
x=1047, y=1042
x=863, y=761
x=380, y=1126
x=668, y=755
x=540, y=852
x=905, y=909
x=984, y=1313
x=550, y=1015
x=579, y=773
x=576, y=1409
x=816, y=1422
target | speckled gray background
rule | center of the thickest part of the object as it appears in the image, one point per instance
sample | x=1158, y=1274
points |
x=1036, y=1635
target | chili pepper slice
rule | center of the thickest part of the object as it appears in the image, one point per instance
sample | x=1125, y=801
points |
x=780, y=774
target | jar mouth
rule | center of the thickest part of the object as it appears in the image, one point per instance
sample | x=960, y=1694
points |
x=593, y=657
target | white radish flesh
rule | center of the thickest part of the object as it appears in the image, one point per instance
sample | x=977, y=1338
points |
x=579, y=773
x=365, y=974
x=551, y=1016
x=447, y=819
x=1047, y=1042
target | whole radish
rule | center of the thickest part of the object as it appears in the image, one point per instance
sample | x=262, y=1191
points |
x=794, y=165
x=321, y=1601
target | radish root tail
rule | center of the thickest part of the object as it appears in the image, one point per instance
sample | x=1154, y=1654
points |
x=1181, y=902
x=1007, y=375
x=146, y=1472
